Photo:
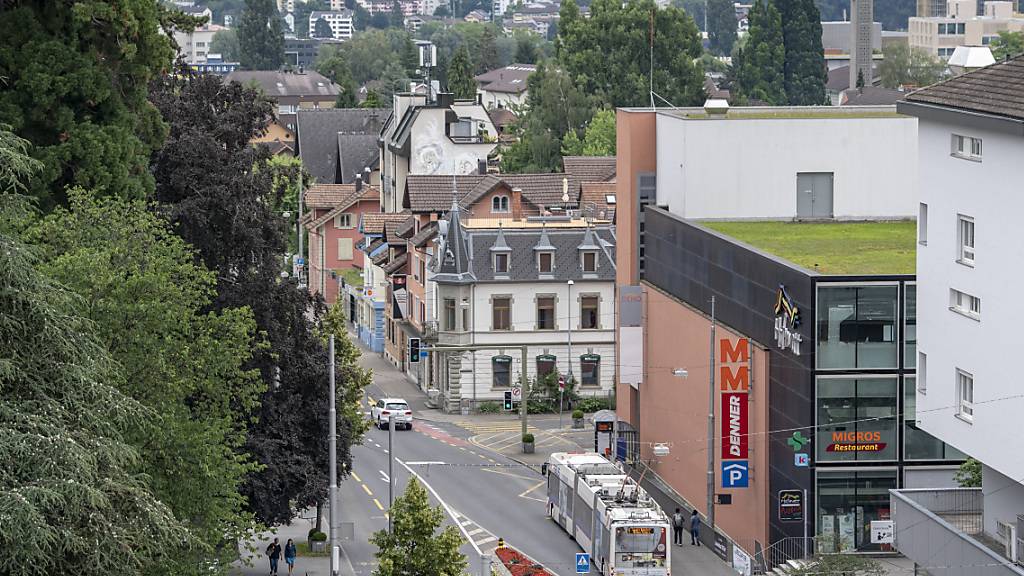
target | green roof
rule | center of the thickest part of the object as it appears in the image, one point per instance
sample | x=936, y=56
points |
x=847, y=248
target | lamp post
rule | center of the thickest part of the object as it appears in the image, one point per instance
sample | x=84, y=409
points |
x=711, y=423
x=568, y=379
x=332, y=494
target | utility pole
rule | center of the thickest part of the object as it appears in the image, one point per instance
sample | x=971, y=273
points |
x=298, y=228
x=333, y=490
x=568, y=380
x=711, y=424
x=391, y=468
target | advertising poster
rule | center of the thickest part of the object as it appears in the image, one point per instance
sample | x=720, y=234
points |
x=791, y=505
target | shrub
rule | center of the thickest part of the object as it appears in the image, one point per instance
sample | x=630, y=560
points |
x=528, y=438
x=592, y=404
x=577, y=414
x=534, y=406
x=317, y=536
x=488, y=407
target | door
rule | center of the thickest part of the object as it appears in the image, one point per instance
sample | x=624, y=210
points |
x=814, y=195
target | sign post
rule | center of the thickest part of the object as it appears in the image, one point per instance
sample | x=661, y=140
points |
x=561, y=397
x=582, y=563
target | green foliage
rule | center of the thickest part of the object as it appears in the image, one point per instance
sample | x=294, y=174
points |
x=528, y=438
x=225, y=43
x=460, y=75
x=86, y=116
x=370, y=53
x=442, y=11
x=302, y=12
x=905, y=66
x=487, y=51
x=805, y=71
x=1007, y=45
x=760, y=62
x=599, y=139
x=969, y=474
x=414, y=546
x=322, y=29
x=333, y=64
x=572, y=145
x=840, y=565
x=410, y=57
x=695, y=8
x=261, y=36
x=721, y=26
x=354, y=377
x=397, y=17
x=577, y=414
x=603, y=53
x=526, y=50
x=591, y=404
x=317, y=536
x=380, y=21
x=489, y=407
x=373, y=100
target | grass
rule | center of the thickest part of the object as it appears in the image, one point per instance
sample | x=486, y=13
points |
x=352, y=277
x=303, y=550
x=833, y=247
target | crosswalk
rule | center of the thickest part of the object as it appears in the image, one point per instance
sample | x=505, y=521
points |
x=480, y=536
x=494, y=427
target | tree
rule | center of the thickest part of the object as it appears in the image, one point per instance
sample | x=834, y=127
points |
x=373, y=100
x=380, y=21
x=225, y=43
x=302, y=12
x=143, y=290
x=893, y=14
x=487, y=52
x=805, y=71
x=392, y=80
x=414, y=546
x=369, y=54
x=840, y=565
x=410, y=57
x=905, y=66
x=969, y=474
x=601, y=53
x=526, y=51
x=322, y=29
x=442, y=11
x=761, y=60
x=397, y=16
x=1007, y=45
x=360, y=18
x=217, y=192
x=695, y=8
x=599, y=139
x=86, y=116
x=331, y=62
x=460, y=76
x=261, y=36
x=721, y=26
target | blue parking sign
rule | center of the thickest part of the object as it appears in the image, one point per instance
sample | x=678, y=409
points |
x=735, y=474
x=582, y=563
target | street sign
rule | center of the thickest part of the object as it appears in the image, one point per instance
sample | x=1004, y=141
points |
x=882, y=531
x=517, y=394
x=299, y=260
x=424, y=353
x=561, y=382
x=582, y=563
x=735, y=474
x=801, y=460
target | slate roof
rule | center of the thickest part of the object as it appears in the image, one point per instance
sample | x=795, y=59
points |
x=277, y=83
x=337, y=143
x=997, y=90
x=433, y=193
x=510, y=80
x=871, y=96
x=590, y=168
x=523, y=260
x=373, y=222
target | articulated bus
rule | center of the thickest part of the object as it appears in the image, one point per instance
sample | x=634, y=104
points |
x=609, y=515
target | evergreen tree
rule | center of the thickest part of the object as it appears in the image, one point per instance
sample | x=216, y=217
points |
x=805, y=71
x=414, y=546
x=261, y=36
x=526, y=51
x=397, y=16
x=225, y=43
x=721, y=26
x=410, y=57
x=761, y=62
x=373, y=100
x=322, y=29
x=487, y=52
x=333, y=64
x=460, y=75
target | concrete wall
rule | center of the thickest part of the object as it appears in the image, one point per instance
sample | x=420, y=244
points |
x=987, y=348
x=747, y=168
x=1003, y=499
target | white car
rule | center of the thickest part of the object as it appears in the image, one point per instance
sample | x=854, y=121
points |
x=385, y=408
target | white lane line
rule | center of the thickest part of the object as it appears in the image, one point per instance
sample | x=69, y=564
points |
x=424, y=463
x=384, y=475
x=444, y=504
x=466, y=522
x=475, y=531
x=484, y=541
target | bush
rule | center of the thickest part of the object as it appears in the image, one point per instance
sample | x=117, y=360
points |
x=577, y=414
x=528, y=438
x=488, y=407
x=591, y=404
x=540, y=406
x=317, y=536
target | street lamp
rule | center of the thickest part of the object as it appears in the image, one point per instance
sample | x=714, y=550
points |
x=568, y=379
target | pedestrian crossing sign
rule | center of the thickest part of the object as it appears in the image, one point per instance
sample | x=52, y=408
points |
x=582, y=563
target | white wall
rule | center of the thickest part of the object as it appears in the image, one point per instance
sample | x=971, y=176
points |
x=1003, y=499
x=989, y=191
x=747, y=168
x=504, y=99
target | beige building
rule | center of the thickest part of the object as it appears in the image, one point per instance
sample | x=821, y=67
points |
x=940, y=35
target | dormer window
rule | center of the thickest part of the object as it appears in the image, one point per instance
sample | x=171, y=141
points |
x=499, y=204
x=545, y=262
x=501, y=263
x=589, y=261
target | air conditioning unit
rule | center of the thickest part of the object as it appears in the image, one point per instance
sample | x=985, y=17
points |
x=1007, y=534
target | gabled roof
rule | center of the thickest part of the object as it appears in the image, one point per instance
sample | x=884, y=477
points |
x=426, y=234
x=590, y=168
x=336, y=143
x=523, y=259
x=871, y=96
x=433, y=193
x=396, y=264
x=331, y=195
x=997, y=90
x=373, y=223
x=595, y=196
x=511, y=79
x=406, y=228
x=356, y=153
x=367, y=193
x=276, y=83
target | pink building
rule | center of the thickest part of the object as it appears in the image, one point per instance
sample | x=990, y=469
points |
x=333, y=227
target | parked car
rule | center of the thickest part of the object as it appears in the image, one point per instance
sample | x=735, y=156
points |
x=385, y=408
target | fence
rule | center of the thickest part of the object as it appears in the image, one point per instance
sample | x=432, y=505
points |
x=781, y=551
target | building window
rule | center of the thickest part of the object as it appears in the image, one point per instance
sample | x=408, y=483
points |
x=964, y=303
x=449, y=314
x=545, y=262
x=499, y=204
x=945, y=52
x=922, y=224
x=589, y=262
x=918, y=444
x=285, y=109
x=501, y=313
x=589, y=309
x=922, y=372
x=501, y=263
x=909, y=325
x=415, y=268
x=965, y=239
x=344, y=248
x=856, y=419
x=545, y=313
x=857, y=326
x=847, y=503
x=546, y=364
x=964, y=396
x=501, y=368
x=966, y=147
x=590, y=370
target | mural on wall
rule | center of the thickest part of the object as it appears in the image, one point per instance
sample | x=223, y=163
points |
x=439, y=155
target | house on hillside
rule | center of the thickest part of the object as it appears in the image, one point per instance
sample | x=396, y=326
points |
x=504, y=87
x=290, y=91
x=334, y=212
x=338, y=144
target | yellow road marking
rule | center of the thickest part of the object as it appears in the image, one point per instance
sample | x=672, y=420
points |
x=377, y=502
x=367, y=490
x=356, y=476
x=524, y=493
x=482, y=456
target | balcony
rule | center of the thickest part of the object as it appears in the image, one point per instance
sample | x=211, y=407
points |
x=942, y=531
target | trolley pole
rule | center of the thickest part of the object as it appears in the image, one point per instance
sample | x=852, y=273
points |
x=391, y=468
x=333, y=490
x=711, y=424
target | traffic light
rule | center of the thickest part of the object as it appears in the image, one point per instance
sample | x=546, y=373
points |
x=414, y=350
x=508, y=399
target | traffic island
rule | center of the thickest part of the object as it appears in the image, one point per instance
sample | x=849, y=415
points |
x=512, y=562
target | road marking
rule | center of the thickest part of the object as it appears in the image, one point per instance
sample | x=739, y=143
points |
x=385, y=476
x=451, y=512
x=482, y=456
x=485, y=540
x=503, y=473
x=356, y=476
x=475, y=531
x=379, y=506
x=466, y=522
x=425, y=463
x=524, y=493
x=463, y=448
x=367, y=490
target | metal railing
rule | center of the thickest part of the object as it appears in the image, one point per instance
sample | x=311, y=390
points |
x=781, y=551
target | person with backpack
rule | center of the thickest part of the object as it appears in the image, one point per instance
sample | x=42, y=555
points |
x=695, y=529
x=289, y=555
x=677, y=527
x=274, y=553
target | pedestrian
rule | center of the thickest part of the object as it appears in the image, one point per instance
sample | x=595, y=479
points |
x=274, y=553
x=678, y=522
x=289, y=555
x=694, y=529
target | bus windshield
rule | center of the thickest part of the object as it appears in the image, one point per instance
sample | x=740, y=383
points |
x=640, y=547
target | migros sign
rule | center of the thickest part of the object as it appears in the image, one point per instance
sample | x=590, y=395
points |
x=870, y=441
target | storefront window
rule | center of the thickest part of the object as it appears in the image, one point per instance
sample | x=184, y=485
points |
x=910, y=326
x=857, y=326
x=857, y=419
x=918, y=444
x=545, y=365
x=847, y=503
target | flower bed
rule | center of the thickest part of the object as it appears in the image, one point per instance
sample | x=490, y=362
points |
x=518, y=564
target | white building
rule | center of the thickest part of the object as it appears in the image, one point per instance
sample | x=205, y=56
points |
x=969, y=314
x=340, y=22
x=960, y=26
x=505, y=87
x=787, y=163
x=551, y=290
x=194, y=46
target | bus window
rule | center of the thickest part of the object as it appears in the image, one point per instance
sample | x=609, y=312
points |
x=640, y=547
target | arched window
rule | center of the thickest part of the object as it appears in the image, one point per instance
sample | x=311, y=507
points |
x=499, y=204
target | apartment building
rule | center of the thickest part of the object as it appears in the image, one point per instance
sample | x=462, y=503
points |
x=341, y=23
x=332, y=219
x=961, y=26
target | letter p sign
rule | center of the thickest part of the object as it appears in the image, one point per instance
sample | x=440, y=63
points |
x=735, y=474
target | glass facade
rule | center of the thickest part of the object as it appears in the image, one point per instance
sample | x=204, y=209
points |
x=918, y=444
x=848, y=500
x=857, y=419
x=857, y=326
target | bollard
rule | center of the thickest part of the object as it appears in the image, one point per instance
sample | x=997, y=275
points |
x=501, y=543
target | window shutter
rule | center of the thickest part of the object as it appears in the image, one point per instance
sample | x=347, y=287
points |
x=344, y=248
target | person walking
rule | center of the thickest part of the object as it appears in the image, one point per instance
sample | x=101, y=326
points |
x=695, y=529
x=289, y=555
x=274, y=553
x=678, y=521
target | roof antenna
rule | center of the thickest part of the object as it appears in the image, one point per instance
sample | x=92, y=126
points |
x=650, y=74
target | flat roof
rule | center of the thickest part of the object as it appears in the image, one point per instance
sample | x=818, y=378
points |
x=836, y=248
x=787, y=113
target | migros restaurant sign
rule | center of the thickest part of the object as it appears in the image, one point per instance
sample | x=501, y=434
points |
x=856, y=442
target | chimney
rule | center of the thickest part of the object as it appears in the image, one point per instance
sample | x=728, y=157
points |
x=366, y=175
x=481, y=166
x=517, y=204
x=359, y=182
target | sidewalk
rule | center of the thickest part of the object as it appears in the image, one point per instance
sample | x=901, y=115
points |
x=254, y=560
